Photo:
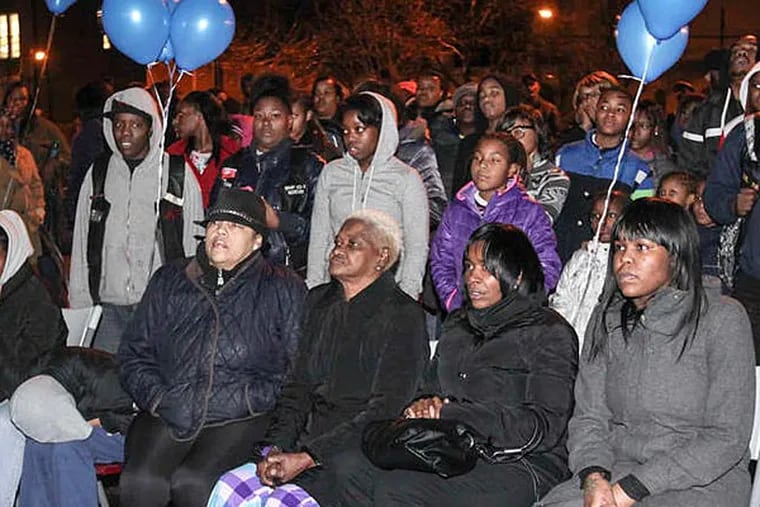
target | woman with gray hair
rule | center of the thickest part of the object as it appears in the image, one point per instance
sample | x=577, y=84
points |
x=363, y=353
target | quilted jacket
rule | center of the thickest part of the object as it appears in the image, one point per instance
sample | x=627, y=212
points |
x=198, y=355
x=460, y=220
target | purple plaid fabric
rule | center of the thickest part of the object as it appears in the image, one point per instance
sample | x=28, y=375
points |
x=241, y=488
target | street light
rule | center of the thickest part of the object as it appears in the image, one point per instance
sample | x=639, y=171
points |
x=39, y=55
x=545, y=13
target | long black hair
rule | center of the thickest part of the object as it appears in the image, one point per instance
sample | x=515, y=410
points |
x=671, y=226
x=510, y=257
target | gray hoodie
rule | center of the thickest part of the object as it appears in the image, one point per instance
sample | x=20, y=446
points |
x=130, y=250
x=388, y=185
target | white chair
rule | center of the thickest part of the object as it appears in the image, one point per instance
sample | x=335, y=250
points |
x=82, y=323
x=754, y=443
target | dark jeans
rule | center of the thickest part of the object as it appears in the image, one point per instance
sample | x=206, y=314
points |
x=747, y=291
x=160, y=469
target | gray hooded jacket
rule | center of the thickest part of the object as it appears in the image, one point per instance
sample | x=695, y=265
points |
x=130, y=250
x=388, y=185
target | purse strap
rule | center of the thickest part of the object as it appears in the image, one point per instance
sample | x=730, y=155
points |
x=496, y=455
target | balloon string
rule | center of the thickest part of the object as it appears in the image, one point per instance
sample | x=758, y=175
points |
x=43, y=72
x=594, y=246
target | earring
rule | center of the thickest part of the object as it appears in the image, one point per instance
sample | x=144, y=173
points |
x=378, y=268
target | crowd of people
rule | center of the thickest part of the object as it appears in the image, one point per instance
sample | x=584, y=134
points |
x=273, y=275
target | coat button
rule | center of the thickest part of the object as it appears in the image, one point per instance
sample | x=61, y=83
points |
x=462, y=375
x=579, y=223
x=586, y=194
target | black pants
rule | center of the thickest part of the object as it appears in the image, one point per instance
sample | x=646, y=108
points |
x=747, y=291
x=361, y=483
x=160, y=470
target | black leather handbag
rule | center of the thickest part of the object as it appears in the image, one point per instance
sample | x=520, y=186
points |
x=444, y=447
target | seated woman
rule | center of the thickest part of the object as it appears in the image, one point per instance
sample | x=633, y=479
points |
x=205, y=357
x=505, y=365
x=664, y=399
x=31, y=329
x=363, y=354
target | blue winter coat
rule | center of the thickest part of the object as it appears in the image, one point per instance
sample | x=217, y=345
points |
x=199, y=357
x=591, y=170
x=461, y=219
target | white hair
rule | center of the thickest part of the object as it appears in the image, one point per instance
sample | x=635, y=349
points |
x=385, y=231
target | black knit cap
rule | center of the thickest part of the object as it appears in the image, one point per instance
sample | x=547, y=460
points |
x=240, y=206
x=118, y=106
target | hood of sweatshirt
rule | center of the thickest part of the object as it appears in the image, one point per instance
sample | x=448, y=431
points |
x=744, y=89
x=387, y=139
x=19, y=245
x=142, y=100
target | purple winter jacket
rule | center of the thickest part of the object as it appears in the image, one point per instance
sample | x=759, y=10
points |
x=461, y=218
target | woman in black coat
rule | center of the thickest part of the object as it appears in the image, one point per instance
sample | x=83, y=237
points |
x=505, y=365
x=363, y=354
x=205, y=357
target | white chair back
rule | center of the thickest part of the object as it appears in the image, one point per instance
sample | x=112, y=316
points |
x=754, y=443
x=82, y=324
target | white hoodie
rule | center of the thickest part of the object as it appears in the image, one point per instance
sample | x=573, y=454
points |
x=388, y=185
x=19, y=245
x=130, y=250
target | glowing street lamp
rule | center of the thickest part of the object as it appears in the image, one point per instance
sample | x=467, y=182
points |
x=39, y=56
x=545, y=13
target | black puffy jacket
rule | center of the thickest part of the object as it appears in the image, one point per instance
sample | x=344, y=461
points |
x=31, y=328
x=509, y=370
x=198, y=355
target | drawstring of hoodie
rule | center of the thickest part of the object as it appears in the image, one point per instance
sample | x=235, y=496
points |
x=366, y=192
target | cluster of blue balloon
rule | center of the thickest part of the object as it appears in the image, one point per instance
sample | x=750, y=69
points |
x=652, y=35
x=190, y=32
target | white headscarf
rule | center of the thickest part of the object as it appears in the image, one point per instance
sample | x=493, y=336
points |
x=19, y=245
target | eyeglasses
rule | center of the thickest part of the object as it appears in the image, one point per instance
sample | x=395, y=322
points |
x=519, y=131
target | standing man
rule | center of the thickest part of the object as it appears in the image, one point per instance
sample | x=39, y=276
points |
x=731, y=193
x=430, y=97
x=705, y=133
x=118, y=239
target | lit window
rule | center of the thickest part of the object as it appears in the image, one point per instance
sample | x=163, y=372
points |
x=10, y=36
x=106, y=42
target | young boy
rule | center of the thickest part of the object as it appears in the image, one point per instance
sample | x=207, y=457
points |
x=582, y=279
x=590, y=164
x=679, y=187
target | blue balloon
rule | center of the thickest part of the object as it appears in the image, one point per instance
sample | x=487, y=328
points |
x=137, y=28
x=636, y=45
x=172, y=4
x=167, y=54
x=664, y=18
x=58, y=6
x=200, y=31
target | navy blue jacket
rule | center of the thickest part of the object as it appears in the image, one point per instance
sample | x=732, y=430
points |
x=286, y=177
x=198, y=355
x=732, y=171
x=591, y=170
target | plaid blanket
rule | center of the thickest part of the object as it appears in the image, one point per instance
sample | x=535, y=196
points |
x=241, y=487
